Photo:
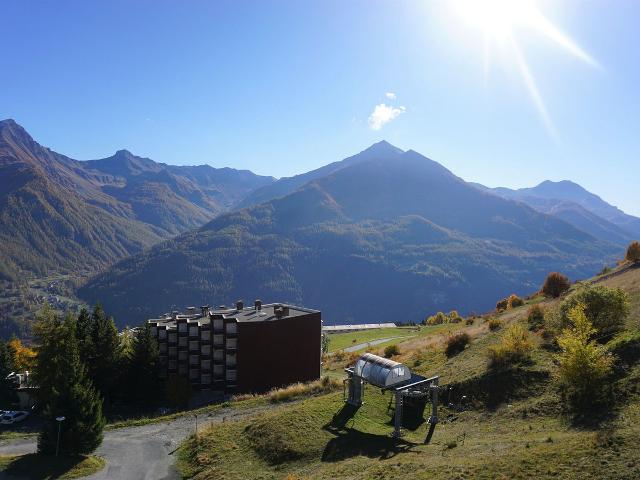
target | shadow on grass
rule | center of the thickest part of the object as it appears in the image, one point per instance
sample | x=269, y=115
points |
x=493, y=388
x=44, y=467
x=349, y=442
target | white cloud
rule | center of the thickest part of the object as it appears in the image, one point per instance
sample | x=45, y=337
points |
x=390, y=95
x=383, y=114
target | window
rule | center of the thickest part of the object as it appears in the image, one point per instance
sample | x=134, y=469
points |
x=218, y=354
x=232, y=343
x=194, y=345
x=162, y=334
x=231, y=360
x=205, y=379
x=172, y=364
x=182, y=327
x=163, y=348
x=231, y=375
x=193, y=331
x=232, y=328
x=218, y=324
x=205, y=364
x=205, y=335
x=173, y=351
x=182, y=342
x=218, y=371
x=182, y=369
x=154, y=331
x=218, y=339
x=182, y=355
x=205, y=350
x=173, y=336
x=193, y=359
x=194, y=374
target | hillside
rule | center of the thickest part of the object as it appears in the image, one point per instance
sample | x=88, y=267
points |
x=510, y=425
x=390, y=237
x=60, y=216
x=581, y=208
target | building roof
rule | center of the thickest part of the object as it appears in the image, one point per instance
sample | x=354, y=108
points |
x=247, y=314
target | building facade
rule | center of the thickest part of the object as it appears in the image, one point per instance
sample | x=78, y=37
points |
x=240, y=350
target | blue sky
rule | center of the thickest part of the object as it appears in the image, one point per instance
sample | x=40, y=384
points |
x=281, y=87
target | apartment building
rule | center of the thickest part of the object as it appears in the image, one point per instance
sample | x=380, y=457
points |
x=241, y=349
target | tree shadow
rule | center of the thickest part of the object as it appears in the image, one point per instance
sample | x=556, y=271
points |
x=41, y=467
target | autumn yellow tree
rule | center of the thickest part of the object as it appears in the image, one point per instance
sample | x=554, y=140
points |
x=24, y=358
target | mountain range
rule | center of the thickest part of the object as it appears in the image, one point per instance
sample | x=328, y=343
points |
x=383, y=235
x=64, y=215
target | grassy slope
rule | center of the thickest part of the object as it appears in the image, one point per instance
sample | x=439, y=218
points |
x=514, y=430
x=40, y=467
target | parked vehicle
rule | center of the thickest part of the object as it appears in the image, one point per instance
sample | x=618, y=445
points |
x=13, y=417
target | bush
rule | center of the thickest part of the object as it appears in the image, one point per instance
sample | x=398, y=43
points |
x=469, y=321
x=494, y=324
x=535, y=318
x=454, y=317
x=555, y=285
x=583, y=365
x=391, y=351
x=456, y=344
x=514, y=348
x=514, y=301
x=437, y=319
x=502, y=305
x=633, y=252
x=605, y=308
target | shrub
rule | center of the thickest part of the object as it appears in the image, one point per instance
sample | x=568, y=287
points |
x=290, y=392
x=633, y=252
x=583, y=365
x=555, y=285
x=502, y=305
x=514, y=301
x=514, y=348
x=456, y=344
x=494, y=324
x=469, y=321
x=437, y=319
x=535, y=318
x=605, y=308
x=391, y=351
x=454, y=317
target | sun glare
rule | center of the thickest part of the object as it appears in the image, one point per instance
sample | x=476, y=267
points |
x=500, y=22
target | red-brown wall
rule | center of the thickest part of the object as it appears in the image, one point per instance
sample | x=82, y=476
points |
x=278, y=352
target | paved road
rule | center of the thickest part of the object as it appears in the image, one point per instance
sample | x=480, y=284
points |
x=139, y=453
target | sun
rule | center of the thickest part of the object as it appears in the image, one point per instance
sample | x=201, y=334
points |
x=499, y=22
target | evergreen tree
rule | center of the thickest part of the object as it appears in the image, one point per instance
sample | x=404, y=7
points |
x=102, y=352
x=144, y=384
x=65, y=390
x=83, y=325
x=7, y=392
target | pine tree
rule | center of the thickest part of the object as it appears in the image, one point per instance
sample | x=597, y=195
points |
x=102, y=352
x=83, y=325
x=65, y=390
x=7, y=392
x=145, y=386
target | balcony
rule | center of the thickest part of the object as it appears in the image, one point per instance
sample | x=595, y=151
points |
x=231, y=361
x=218, y=371
x=182, y=342
x=218, y=340
x=231, y=328
x=193, y=331
x=205, y=350
x=205, y=364
x=232, y=343
x=194, y=360
x=218, y=325
x=231, y=376
x=194, y=346
x=173, y=337
x=162, y=334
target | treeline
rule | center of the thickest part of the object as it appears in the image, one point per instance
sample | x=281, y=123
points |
x=84, y=368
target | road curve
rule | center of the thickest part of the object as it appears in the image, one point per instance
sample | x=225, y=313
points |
x=140, y=453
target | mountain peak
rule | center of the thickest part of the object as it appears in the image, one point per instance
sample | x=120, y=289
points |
x=9, y=127
x=383, y=147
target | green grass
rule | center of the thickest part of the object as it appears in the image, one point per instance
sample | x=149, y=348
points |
x=43, y=467
x=340, y=341
x=514, y=428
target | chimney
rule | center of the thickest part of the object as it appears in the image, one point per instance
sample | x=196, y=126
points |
x=205, y=310
x=174, y=315
x=239, y=305
x=258, y=305
x=281, y=311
